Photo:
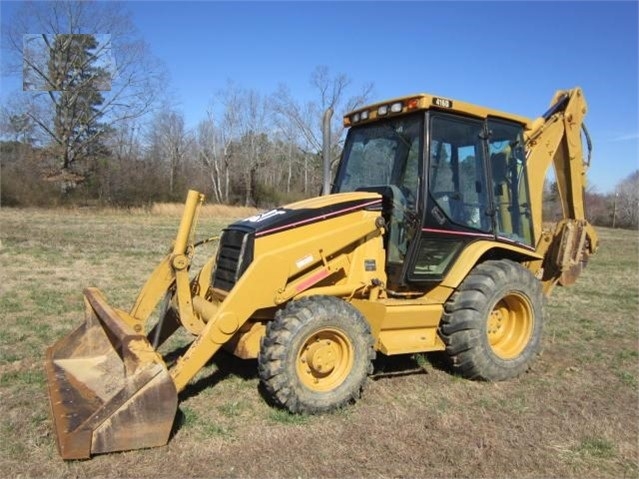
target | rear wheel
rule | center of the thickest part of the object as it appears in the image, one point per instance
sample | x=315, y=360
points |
x=316, y=355
x=492, y=325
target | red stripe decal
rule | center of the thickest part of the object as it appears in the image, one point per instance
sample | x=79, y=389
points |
x=311, y=281
x=481, y=235
x=459, y=233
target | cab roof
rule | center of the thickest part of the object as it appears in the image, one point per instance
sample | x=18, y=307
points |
x=425, y=101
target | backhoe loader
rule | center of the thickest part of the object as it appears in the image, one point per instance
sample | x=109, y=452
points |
x=431, y=239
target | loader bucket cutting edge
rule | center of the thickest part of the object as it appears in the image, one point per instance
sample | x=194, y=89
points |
x=109, y=390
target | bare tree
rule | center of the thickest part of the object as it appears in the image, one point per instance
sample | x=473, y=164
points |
x=627, y=201
x=127, y=87
x=253, y=140
x=306, y=119
x=234, y=148
x=17, y=125
x=169, y=142
x=124, y=141
x=209, y=152
x=213, y=140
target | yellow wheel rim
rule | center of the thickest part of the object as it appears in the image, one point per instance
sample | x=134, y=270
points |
x=510, y=326
x=325, y=360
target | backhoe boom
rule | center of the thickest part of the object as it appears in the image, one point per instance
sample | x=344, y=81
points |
x=555, y=139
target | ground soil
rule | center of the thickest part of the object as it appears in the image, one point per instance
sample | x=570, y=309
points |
x=574, y=414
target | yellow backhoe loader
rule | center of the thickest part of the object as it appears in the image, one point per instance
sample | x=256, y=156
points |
x=431, y=240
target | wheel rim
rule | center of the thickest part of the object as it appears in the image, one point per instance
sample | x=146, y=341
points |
x=325, y=360
x=510, y=326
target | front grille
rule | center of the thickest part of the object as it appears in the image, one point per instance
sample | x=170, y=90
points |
x=234, y=255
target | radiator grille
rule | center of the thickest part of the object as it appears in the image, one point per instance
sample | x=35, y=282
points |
x=234, y=255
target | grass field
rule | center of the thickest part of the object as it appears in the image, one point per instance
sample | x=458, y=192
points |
x=574, y=414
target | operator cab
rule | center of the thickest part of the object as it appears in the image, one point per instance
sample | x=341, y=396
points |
x=448, y=176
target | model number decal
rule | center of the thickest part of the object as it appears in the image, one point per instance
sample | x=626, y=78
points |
x=265, y=216
x=442, y=102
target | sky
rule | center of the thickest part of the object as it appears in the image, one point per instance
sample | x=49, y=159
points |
x=508, y=55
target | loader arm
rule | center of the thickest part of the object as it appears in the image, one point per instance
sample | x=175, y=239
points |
x=109, y=389
x=172, y=270
x=555, y=139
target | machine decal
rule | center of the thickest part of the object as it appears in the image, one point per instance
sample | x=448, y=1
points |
x=442, y=102
x=296, y=218
x=305, y=261
x=312, y=280
x=265, y=216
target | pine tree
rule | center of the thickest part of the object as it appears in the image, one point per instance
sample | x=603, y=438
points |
x=76, y=80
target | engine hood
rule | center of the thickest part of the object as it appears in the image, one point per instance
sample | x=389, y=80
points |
x=308, y=211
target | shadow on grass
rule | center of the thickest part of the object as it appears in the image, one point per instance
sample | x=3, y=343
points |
x=409, y=364
x=440, y=361
x=226, y=365
x=394, y=366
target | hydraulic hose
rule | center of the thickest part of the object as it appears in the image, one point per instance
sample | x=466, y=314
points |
x=588, y=142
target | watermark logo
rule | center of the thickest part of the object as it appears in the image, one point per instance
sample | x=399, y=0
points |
x=67, y=62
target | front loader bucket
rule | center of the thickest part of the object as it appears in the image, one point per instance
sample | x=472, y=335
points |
x=108, y=388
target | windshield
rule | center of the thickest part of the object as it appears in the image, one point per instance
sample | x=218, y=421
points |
x=382, y=154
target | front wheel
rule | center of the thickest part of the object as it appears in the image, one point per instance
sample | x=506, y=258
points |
x=316, y=355
x=492, y=325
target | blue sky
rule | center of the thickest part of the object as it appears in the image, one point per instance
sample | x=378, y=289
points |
x=507, y=55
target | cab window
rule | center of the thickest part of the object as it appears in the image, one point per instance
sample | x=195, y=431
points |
x=457, y=177
x=509, y=183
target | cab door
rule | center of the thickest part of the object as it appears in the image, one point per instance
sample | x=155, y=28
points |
x=476, y=189
x=458, y=200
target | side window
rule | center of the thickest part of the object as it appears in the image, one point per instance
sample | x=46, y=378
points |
x=370, y=163
x=457, y=179
x=410, y=175
x=472, y=185
x=509, y=182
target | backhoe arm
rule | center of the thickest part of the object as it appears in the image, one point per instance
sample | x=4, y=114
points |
x=555, y=138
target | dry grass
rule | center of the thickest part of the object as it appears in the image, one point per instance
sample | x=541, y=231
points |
x=208, y=210
x=575, y=414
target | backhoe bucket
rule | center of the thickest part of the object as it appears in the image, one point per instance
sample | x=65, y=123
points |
x=108, y=388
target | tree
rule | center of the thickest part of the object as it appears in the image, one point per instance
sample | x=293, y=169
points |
x=236, y=148
x=627, y=201
x=169, y=141
x=254, y=142
x=551, y=204
x=213, y=148
x=75, y=88
x=83, y=68
x=18, y=126
x=306, y=119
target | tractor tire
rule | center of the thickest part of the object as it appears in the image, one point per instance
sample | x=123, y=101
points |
x=492, y=325
x=316, y=355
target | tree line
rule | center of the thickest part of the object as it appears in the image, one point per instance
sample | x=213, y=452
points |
x=93, y=126
x=93, y=123
x=249, y=149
